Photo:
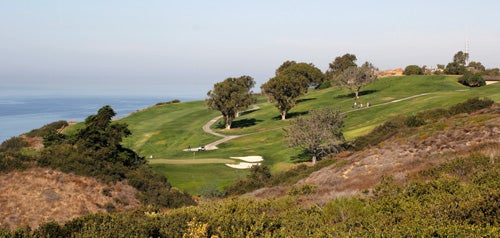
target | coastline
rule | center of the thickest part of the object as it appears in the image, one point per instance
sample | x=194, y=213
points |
x=21, y=114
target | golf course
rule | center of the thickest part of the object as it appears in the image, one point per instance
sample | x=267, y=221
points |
x=171, y=135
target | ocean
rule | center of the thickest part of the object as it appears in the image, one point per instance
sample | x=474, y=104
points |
x=20, y=114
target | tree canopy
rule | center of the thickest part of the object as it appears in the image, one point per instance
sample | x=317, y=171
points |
x=355, y=77
x=461, y=57
x=457, y=66
x=413, y=69
x=231, y=96
x=476, y=66
x=283, y=91
x=318, y=134
x=340, y=64
x=291, y=81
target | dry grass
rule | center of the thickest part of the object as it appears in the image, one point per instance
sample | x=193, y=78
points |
x=40, y=195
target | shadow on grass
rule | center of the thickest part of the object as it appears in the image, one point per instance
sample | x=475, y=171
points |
x=239, y=123
x=361, y=93
x=248, y=111
x=245, y=123
x=305, y=100
x=302, y=157
x=291, y=115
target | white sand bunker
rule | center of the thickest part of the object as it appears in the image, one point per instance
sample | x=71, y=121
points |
x=242, y=165
x=255, y=158
x=249, y=162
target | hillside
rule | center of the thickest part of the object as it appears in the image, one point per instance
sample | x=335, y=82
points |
x=401, y=157
x=40, y=195
x=438, y=179
x=162, y=133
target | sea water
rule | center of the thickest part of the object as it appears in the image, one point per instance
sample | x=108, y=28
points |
x=23, y=113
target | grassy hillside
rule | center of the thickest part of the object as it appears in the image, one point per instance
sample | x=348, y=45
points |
x=164, y=131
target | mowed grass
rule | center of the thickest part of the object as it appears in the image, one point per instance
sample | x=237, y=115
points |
x=164, y=131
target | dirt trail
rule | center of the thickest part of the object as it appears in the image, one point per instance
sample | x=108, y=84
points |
x=207, y=129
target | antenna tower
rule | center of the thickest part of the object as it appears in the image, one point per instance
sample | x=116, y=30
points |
x=467, y=48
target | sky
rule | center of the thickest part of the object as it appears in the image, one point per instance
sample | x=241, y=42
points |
x=182, y=48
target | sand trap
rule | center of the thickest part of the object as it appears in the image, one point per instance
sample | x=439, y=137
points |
x=249, y=162
x=255, y=158
x=242, y=165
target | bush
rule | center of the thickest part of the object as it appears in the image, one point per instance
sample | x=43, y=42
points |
x=400, y=124
x=472, y=80
x=380, y=133
x=455, y=69
x=258, y=177
x=413, y=69
x=47, y=129
x=302, y=190
x=325, y=84
x=13, y=144
x=155, y=190
x=471, y=105
x=10, y=161
x=414, y=121
x=169, y=102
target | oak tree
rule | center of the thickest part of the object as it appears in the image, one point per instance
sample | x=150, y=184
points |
x=355, y=77
x=340, y=64
x=318, y=134
x=231, y=96
x=292, y=80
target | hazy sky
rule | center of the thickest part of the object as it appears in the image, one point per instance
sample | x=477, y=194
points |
x=181, y=48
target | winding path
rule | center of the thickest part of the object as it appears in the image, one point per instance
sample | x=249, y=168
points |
x=225, y=138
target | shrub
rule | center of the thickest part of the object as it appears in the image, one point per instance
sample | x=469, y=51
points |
x=258, y=177
x=414, y=121
x=154, y=189
x=302, y=190
x=10, y=161
x=472, y=80
x=169, y=102
x=47, y=129
x=471, y=105
x=380, y=133
x=400, y=124
x=413, y=69
x=325, y=84
x=13, y=144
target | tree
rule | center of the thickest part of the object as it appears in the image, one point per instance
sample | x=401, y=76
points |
x=455, y=68
x=413, y=69
x=306, y=73
x=102, y=139
x=318, y=134
x=231, y=96
x=355, y=77
x=461, y=58
x=284, y=66
x=472, y=80
x=476, y=66
x=291, y=81
x=283, y=91
x=340, y=64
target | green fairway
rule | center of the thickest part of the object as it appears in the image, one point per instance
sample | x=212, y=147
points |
x=163, y=132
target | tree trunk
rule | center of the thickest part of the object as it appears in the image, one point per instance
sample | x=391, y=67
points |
x=357, y=93
x=283, y=115
x=228, y=124
x=314, y=159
